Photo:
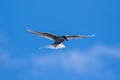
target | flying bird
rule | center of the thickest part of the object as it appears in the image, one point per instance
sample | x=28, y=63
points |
x=57, y=44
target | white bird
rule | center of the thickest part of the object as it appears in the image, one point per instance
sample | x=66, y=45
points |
x=57, y=39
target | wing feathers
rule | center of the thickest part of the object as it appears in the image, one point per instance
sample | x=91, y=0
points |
x=43, y=34
x=78, y=36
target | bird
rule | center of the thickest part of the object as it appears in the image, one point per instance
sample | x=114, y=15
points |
x=57, y=44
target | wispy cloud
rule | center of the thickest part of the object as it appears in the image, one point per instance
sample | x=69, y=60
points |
x=90, y=62
x=86, y=62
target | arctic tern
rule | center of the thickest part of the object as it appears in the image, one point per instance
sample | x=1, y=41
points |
x=57, y=44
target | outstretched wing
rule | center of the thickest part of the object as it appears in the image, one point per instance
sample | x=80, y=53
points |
x=78, y=36
x=43, y=34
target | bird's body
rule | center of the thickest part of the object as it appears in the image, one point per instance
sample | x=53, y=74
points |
x=57, y=39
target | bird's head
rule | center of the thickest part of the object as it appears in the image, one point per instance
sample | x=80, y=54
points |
x=65, y=38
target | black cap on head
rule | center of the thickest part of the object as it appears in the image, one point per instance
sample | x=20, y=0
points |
x=65, y=38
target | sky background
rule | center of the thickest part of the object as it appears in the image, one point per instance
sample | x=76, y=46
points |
x=96, y=58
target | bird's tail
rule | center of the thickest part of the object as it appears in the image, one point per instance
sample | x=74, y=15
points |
x=52, y=46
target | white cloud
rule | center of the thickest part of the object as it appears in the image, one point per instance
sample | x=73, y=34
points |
x=89, y=62
x=79, y=58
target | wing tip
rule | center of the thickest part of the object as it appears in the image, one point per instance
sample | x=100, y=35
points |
x=92, y=35
x=28, y=29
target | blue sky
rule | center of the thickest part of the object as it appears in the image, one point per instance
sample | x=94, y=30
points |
x=96, y=58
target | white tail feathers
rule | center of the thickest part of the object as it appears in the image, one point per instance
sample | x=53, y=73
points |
x=56, y=47
x=52, y=46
